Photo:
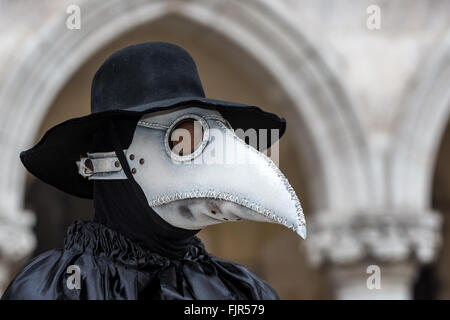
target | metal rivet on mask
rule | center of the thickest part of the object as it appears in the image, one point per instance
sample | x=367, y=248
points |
x=133, y=171
x=131, y=156
x=141, y=161
x=117, y=164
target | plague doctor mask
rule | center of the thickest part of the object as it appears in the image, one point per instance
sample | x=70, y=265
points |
x=195, y=171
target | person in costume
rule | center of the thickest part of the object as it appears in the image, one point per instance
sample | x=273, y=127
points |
x=154, y=155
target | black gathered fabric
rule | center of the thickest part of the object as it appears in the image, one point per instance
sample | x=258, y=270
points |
x=114, y=267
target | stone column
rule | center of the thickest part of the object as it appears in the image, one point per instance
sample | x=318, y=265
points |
x=17, y=242
x=373, y=256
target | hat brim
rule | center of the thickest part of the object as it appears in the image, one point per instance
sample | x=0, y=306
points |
x=53, y=158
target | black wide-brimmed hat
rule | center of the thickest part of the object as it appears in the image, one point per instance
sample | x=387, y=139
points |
x=134, y=81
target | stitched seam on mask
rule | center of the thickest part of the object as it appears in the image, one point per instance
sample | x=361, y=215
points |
x=298, y=207
x=213, y=117
x=152, y=125
x=218, y=119
x=212, y=194
x=156, y=125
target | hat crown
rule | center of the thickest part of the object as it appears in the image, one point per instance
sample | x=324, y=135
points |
x=144, y=73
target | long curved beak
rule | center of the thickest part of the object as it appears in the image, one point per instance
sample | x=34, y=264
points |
x=230, y=170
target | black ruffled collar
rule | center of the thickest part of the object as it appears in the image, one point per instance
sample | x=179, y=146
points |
x=101, y=241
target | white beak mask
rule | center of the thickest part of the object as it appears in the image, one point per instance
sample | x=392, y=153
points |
x=195, y=171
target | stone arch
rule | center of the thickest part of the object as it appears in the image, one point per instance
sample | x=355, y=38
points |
x=422, y=121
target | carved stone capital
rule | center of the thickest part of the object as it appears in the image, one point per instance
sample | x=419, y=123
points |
x=388, y=238
x=17, y=240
